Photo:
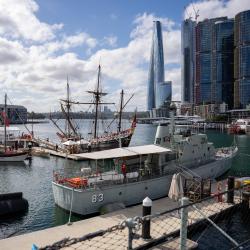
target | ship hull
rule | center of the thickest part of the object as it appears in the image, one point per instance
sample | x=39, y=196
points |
x=18, y=157
x=88, y=201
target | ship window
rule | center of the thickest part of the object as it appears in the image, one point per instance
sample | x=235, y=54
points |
x=146, y=188
x=120, y=193
x=170, y=157
x=208, y=148
x=158, y=140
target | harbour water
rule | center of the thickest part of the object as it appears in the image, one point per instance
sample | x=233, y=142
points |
x=34, y=178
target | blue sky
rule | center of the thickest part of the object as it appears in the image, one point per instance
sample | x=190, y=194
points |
x=106, y=17
x=43, y=41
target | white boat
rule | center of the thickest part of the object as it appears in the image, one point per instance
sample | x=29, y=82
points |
x=240, y=126
x=9, y=155
x=190, y=154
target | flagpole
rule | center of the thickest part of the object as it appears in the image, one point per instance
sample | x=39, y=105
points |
x=5, y=133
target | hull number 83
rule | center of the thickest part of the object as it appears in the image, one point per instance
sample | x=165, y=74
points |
x=97, y=198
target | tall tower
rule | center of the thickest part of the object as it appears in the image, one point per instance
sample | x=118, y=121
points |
x=222, y=62
x=242, y=60
x=206, y=57
x=188, y=60
x=156, y=69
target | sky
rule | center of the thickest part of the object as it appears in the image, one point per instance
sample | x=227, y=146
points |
x=44, y=41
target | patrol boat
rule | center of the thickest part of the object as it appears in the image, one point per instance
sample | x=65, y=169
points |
x=149, y=170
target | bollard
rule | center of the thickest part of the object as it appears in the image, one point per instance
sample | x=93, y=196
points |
x=230, y=186
x=146, y=210
x=246, y=201
x=184, y=222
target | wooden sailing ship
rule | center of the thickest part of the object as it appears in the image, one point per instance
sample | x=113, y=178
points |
x=119, y=138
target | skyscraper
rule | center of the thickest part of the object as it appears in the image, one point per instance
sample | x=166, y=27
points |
x=156, y=68
x=159, y=91
x=214, y=61
x=188, y=60
x=222, y=62
x=242, y=59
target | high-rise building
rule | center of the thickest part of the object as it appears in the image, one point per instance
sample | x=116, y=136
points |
x=205, y=73
x=188, y=60
x=222, y=63
x=159, y=92
x=242, y=59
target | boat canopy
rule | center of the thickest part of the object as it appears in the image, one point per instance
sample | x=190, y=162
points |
x=123, y=152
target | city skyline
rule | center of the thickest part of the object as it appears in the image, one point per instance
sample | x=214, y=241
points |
x=41, y=42
x=215, y=61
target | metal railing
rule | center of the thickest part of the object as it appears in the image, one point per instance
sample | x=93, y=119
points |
x=179, y=228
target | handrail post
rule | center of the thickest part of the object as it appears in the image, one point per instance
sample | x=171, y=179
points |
x=184, y=222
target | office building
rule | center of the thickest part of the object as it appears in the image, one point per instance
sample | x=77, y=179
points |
x=188, y=60
x=212, y=44
x=15, y=113
x=242, y=60
x=222, y=62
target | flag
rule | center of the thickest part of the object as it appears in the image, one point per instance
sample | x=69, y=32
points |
x=134, y=122
x=5, y=119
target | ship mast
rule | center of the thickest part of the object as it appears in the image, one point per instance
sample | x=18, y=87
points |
x=68, y=108
x=97, y=100
x=120, y=113
x=5, y=116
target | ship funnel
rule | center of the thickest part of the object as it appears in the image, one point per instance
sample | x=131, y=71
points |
x=162, y=136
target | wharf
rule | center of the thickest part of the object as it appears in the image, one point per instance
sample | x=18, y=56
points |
x=57, y=153
x=166, y=225
x=80, y=228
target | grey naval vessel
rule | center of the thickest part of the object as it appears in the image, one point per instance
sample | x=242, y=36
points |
x=128, y=175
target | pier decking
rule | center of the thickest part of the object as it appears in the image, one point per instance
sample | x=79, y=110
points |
x=162, y=225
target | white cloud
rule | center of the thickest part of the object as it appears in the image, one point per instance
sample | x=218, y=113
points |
x=110, y=41
x=18, y=20
x=35, y=73
x=217, y=8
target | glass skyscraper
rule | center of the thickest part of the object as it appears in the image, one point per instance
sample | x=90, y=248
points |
x=214, y=61
x=242, y=59
x=158, y=90
x=222, y=62
x=188, y=60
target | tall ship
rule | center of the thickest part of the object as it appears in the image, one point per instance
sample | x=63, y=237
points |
x=71, y=135
x=128, y=175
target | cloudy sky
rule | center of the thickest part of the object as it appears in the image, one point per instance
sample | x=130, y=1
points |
x=43, y=41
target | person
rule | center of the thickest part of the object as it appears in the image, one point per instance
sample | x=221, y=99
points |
x=89, y=147
x=16, y=145
x=56, y=147
x=124, y=171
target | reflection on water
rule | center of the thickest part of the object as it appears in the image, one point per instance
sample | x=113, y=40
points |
x=34, y=179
